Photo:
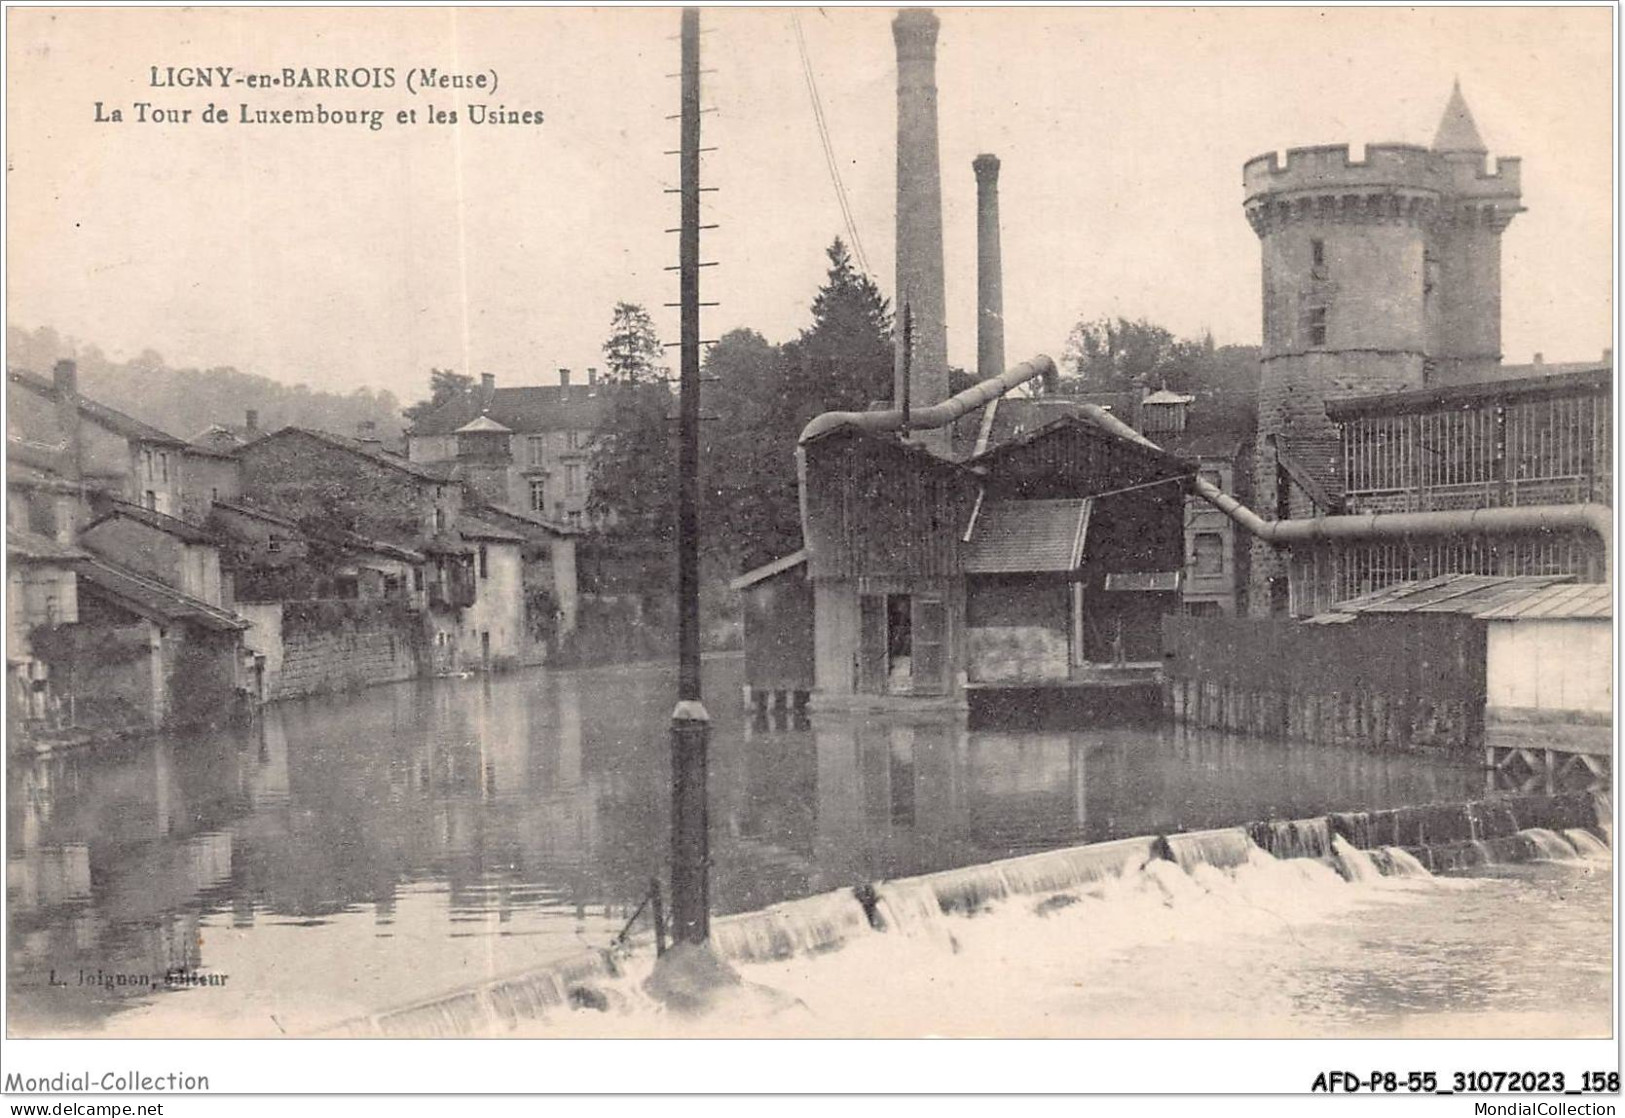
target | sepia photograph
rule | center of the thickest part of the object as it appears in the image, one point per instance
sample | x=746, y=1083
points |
x=811, y=523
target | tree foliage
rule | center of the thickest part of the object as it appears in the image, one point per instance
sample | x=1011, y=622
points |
x=633, y=348
x=444, y=384
x=1119, y=355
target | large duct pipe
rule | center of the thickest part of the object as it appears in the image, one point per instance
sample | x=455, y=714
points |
x=1597, y=519
x=989, y=269
x=919, y=221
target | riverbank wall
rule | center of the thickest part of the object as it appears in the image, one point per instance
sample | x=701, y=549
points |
x=1434, y=837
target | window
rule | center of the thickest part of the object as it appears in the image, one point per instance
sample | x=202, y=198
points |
x=1317, y=253
x=163, y=465
x=417, y=578
x=1317, y=326
x=485, y=563
x=439, y=519
x=150, y=499
x=575, y=440
x=572, y=479
x=273, y=544
x=1207, y=554
x=535, y=449
x=538, y=495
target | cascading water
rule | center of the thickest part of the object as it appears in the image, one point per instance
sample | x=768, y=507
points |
x=1588, y=845
x=1354, y=864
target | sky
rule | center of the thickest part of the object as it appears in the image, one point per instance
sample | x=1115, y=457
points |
x=342, y=257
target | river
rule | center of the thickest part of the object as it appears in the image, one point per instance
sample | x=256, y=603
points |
x=346, y=854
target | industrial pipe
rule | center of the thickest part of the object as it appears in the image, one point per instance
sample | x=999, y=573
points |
x=1597, y=519
x=938, y=415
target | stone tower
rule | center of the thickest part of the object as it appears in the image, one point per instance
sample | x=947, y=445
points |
x=919, y=219
x=989, y=269
x=1380, y=274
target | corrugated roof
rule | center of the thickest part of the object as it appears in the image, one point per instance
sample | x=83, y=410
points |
x=1467, y=595
x=544, y=407
x=1020, y=537
x=1582, y=600
x=21, y=544
x=153, y=599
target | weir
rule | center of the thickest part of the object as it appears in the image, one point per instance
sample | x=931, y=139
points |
x=1363, y=847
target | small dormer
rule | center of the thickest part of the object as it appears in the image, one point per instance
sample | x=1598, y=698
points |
x=484, y=439
x=1164, y=411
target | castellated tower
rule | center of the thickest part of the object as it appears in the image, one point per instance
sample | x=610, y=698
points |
x=1379, y=274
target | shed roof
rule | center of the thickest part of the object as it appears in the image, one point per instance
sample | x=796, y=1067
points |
x=1021, y=537
x=153, y=599
x=160, y=522
x=32, y=547
x=1581, y=600
x=1467, y=595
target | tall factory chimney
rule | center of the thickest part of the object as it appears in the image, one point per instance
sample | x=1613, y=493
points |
x=919, y=221
x=989, y=270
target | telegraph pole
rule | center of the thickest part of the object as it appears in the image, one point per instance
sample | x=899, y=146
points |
x=690, y=724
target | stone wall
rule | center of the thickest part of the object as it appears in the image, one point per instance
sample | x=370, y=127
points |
x=328, y=647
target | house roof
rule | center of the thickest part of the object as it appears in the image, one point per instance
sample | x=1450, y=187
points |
x=526, y=410
x=484, y=423
x=1579, y=600
x=528, y=519
x=32, y=547
x=473, y=528
x=169, y=525
x=1465, y=595
x=1020, y=537
x=1014, y=417
x=768, y=570
x=1167, y=396
x=114, y=420
x=257, y=513
x=1201, y=444
x=24, y=476
x=433, y=472
x=153, y=599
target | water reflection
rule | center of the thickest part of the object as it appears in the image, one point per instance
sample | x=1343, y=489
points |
x=425, y=835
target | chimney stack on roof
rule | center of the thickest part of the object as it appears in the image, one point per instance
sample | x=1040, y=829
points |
x=1540, y=359
x=488, y=388
x=564, y=385
x=251, y=421
x=592, y=375
x=1608, y=356
x=65, y=378
x=919, y=221
x=989, y=270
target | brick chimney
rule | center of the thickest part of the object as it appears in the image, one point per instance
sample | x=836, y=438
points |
x=488, y=388
x=564, y=384
x=251, y=422
x=65, y=379
x=919, y=220
x=989, y=270
x=592, y=375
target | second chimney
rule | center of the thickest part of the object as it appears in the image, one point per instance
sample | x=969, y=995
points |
x=65, y=379
x=564, y=384
x=919, y=220
x=989, y=270
x=251, y=421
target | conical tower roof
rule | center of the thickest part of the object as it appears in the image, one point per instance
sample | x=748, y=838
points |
x=1457, y=132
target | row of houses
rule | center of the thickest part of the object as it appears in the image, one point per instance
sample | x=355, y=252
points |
x=155, y=581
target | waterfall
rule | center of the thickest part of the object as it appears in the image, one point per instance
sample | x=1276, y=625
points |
x=1221, y=849
x=1402, y=863
x=1548, y=846
x=1588, y=845
x=1294, y=838
x=1353, y=863
x=820, y=923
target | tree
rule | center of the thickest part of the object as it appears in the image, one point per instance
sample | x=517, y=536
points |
x=844, y=359
x=1116, y=355
x=444, y=384
x=633, y=348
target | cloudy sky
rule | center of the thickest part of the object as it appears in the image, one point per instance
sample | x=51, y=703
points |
x=341, y=257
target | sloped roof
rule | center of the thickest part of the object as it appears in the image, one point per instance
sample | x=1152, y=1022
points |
x=1167, y=396
x=245, y=509
x=1581, y=600
x=1457, y=130
x=542, y=407
x=32, y=547
x=169, y=525
x=484, y=423
x=1589, y=378
x=473, y=528
x=1021, y=537
x=1466, y=595
x=528, y=519
x=153, y=599
x=110, y=418
x=24, y=476
x=434, y=472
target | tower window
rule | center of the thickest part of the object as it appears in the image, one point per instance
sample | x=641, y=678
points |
x=1317, y=252
x=1317, y=326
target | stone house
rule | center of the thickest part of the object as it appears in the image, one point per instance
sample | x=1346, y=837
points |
x=182, y=555
x=523, y=448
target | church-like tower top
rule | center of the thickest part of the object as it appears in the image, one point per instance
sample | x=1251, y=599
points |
x=1457, y=131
